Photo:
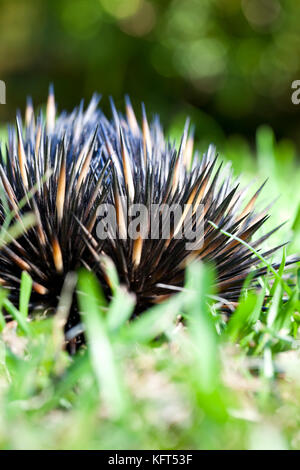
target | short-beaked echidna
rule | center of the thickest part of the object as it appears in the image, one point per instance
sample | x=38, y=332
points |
x=64, y=167
x=54, y=167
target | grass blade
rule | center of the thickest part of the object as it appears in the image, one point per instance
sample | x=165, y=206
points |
x=25, y=292
x=91, y=301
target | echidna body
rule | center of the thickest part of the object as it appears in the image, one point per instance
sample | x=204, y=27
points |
x=64, y=167
x=55, y=168
x=149, y=170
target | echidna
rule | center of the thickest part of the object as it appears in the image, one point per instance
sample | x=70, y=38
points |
x=149, y=170
x=59, y=162
x=65, y=167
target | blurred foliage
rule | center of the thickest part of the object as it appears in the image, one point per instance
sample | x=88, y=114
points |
x=229, y=62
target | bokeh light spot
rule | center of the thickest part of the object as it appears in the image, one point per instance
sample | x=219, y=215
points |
x=121, y=8
x=142, y=22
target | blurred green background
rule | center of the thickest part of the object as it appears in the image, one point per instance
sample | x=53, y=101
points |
x=229, y=64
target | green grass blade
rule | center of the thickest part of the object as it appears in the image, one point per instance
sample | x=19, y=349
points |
x=155, y=321
x=14, y=312
x=199, y=281
x=120, y=308
x=25, y=293
x=3, y=295
x=241, y=321
x=259, y=256
x=91, y=302
x=17, y=229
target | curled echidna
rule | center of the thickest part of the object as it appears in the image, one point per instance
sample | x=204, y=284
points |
x=64, y=168
x=149, y=170
x=55, y=167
